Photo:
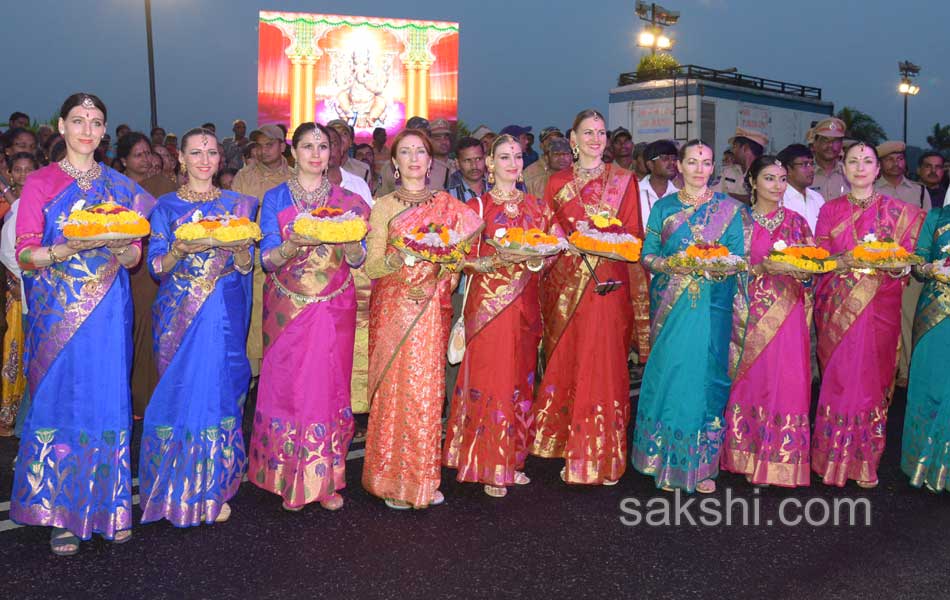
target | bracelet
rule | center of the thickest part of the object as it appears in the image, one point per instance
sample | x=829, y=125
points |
x=175, y=254
x=118, y=254
x=52, y=255
x=5, y=190
x=537, y=265
x=284, y=255
x=389, y=264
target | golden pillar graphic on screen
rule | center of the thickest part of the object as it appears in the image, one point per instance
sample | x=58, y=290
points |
x=370, y=72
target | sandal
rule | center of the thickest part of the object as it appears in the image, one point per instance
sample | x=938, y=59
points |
x=609, y=482
x=437, y=498
x=564, y=474
x=496, y=491
x=667, y=488
x=706, y=486
x=290, y=508
x=224, y=514
x=334, y=502
x=62, y=542
x=397, y=504
x=521, y=478
x=868, y=485
x=122, y=537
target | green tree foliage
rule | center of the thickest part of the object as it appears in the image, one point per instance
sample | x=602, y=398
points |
x=940, y=139
x=862, y=126
x=656, y=66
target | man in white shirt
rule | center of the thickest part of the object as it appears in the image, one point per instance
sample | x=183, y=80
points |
x=660, y=157
x=799, y=162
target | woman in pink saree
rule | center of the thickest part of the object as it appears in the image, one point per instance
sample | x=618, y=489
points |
x=767, y=429
x=303, y=424
x=858, y=318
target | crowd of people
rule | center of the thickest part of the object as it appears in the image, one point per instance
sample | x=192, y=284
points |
x=179, y=333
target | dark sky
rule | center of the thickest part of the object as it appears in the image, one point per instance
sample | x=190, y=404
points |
x=533, y=62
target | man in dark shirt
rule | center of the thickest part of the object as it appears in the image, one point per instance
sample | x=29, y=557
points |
x=931, y=173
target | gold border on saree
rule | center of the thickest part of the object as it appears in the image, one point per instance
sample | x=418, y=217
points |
x=304, y=299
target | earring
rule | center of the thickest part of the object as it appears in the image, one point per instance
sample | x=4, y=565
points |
x=396, y=173
x=520, y=177
x=575, y=152
x=183, y=169
x=491, y=177
x=429, y=171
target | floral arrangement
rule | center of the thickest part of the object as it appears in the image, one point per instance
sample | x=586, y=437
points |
x=604, y=234
x=218, y=228
x=331, y=225
x=811, y=259
x=884, y=253
x=534, y=241
x=434, y=242
x=707, y=257
x=102, y=219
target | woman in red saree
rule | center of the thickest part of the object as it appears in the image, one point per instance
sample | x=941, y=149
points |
x=486, y=437
x=583, y=403
x=409, y=321
x=858, y=318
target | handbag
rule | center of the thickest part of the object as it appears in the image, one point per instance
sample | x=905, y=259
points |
x=456, y=350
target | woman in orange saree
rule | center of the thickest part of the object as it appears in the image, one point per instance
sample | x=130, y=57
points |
x=486, y=436
x=583, y=404
x=409, y=321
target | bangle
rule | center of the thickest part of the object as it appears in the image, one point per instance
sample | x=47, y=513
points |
x=284, y=255
x=175, y=254
x=118, y=254
x=534, y=265
x=52, y=255
x=389, y=264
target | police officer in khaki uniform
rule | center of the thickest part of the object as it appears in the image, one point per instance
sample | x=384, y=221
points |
x=747, y=145
x=826, y=139
x=893, y=183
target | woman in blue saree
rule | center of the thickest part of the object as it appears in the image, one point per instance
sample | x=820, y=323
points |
x=680, y=426
x=925, y=456
x=192, y=457
x=72, y=471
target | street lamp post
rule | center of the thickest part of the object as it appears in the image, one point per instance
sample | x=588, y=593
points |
x=658, y=17
x=907, y=87
x=151, y=62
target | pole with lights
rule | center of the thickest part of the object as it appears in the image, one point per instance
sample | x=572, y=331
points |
x=658, y=17
x=907, y=87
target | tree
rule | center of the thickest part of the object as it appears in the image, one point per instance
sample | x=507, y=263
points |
x=940, y=140
x=861, y=126
x=656, y=66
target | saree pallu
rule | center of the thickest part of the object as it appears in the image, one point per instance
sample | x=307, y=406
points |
x=858, y=319
x=925, y=452
x=303, y=424
x=409, y=322
x=767, y=426
x=192, y=456
x=72, y=468
x=359, y=396
x=679, y=425
x=486, y=436
x=12, y=375
x=583, y=404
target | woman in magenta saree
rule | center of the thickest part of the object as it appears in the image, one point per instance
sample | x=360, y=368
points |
x=304, y=424
x=858, y=318
x=193, y=456
x=583, y=404
x=486, y=436
x=72, y=470
x=767, y=428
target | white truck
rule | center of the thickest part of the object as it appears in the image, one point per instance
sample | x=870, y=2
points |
x=709, y=104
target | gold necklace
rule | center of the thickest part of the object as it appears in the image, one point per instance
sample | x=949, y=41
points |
x=770, y=224
x=583, y=174
x=413, y=197
x=304, y=200
x=83, y=179
x=189, y=195
x=862, y=202
x=696, y=200
x=510, y=200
